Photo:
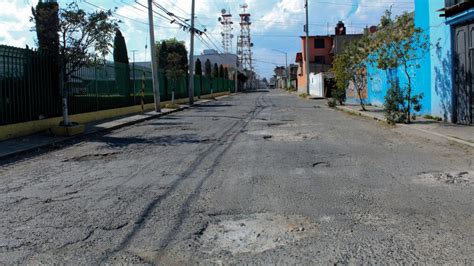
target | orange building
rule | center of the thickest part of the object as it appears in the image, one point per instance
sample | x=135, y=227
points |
x=320, y=58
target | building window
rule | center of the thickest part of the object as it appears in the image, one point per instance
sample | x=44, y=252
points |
x=319, y=43
x=320, y=60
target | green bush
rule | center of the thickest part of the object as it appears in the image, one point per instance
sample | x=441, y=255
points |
x=396, y=104
x=303, y=95
x=436, y=118
x=332, y=103
x=339, y=94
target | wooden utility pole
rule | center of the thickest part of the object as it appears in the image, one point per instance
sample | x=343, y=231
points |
x=154, y=64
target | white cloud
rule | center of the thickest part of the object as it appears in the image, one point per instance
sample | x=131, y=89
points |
x=276, y=23
x=15, y=23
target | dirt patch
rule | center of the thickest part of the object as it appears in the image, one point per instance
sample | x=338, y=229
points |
x=254, y=233
x=451, y=178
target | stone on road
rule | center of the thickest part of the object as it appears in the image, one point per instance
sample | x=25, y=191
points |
x=256, y=178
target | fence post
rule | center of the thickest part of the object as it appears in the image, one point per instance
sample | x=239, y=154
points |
x=96, y=89
x=143, y=92
x=134, y=83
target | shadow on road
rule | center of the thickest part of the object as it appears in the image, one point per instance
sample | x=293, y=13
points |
x=212, y=105
x=256, y=91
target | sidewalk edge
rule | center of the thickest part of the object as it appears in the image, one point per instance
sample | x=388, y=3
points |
x=460, y=141
x=69, y=139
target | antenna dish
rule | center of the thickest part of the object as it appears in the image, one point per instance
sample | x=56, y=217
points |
x=223, y=11
x=244, y=6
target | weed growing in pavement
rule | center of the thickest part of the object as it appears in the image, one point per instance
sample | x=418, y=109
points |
x=435, y=118
x=332, y=103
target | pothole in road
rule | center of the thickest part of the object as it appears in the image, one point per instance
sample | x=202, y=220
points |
x=254, y=233
x=275, y=124
x=451, y=178
x=284, y=135
x=321, y=164
x=92, y=157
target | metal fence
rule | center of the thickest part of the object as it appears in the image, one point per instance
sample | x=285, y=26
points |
x=29, y=86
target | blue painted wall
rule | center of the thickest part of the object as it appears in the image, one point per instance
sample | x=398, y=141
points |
x=441, y=60
x=381, y=80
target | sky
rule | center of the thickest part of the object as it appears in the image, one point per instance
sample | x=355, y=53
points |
x=276, y=24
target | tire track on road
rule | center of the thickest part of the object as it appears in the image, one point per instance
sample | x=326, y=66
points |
x=236, y=128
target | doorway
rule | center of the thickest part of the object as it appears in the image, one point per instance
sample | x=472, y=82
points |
x=463, y=97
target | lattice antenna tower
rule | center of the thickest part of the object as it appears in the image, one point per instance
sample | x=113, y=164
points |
x=244, y=46
x=226, y=21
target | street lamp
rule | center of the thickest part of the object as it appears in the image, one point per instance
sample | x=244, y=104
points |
x=286, y=65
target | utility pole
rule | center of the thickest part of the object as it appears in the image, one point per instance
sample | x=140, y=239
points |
x=191, y=58
x=154, y=64
x=307, y=47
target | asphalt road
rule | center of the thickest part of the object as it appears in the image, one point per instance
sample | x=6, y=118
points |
x=254, y=178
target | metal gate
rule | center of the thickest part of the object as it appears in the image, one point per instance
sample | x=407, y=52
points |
x=463, y=97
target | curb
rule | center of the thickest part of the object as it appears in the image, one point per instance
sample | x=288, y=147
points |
x=103, y=130
x=459, y=141
x=351, y=111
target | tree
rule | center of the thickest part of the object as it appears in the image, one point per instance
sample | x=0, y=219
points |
x=84, y=39
x=122, y=64
x=399, y=45
x=198, y=67
x=340, y=64
x=167, y=47
x=221, y=71
x=46, y=18
x=174, y=71
x=226, y=73
x=350, y=69
x=208, y=68
x=120, y=48
x=162, y=55
x=215, y=71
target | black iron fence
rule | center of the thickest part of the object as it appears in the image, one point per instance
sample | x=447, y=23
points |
x=29, y=86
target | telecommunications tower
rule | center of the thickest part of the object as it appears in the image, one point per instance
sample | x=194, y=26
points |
x=226, y=21
x=244, y=44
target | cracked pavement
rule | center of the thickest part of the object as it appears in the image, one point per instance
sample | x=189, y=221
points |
x=254, y=178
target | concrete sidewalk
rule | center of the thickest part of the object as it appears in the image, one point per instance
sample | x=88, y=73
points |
x=13, y=147
x=457, y=133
